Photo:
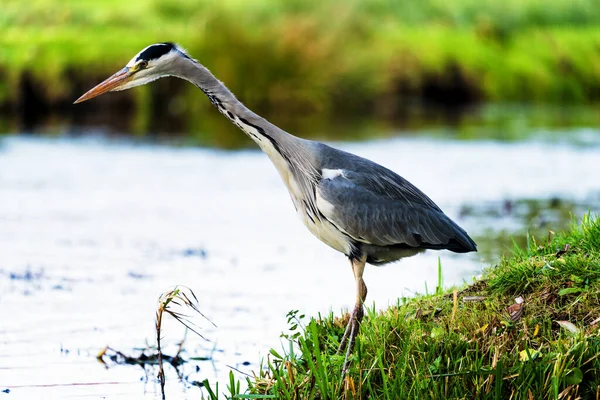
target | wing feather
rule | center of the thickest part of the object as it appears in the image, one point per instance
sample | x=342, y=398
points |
x=381, y=208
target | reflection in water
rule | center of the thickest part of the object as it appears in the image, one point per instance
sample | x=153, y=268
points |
x=509, y=222
x=194, y=121
x=93, y=230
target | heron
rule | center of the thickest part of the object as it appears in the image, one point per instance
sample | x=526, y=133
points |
x=365, y=211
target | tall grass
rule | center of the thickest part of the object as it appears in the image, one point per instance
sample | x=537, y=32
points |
x=530, y=329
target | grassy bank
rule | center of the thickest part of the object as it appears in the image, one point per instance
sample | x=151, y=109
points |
x=299, y=55
x=477, y=342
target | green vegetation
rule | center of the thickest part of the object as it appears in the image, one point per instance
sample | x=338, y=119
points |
x=314, y=56
x=479, y=342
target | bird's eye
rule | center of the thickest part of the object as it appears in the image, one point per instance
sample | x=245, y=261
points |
x=143, y=64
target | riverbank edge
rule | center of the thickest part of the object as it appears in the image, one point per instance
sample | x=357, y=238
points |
x=529, y=327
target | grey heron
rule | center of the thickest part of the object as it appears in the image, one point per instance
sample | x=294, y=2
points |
x=364, y=210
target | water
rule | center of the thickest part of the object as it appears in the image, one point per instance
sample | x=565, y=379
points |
x=92, y=231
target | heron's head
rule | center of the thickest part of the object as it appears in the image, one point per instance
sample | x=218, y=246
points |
x=155, y=61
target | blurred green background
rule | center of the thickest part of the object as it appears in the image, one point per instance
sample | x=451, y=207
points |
x=301, y=62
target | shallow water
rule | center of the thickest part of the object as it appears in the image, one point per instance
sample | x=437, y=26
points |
x=92, y=231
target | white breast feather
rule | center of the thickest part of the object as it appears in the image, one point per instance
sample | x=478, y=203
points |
x=323, y=230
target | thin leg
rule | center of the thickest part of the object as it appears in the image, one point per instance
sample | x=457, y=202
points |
x=358, y=267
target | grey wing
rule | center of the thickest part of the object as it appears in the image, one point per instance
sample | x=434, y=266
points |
x=378, y=207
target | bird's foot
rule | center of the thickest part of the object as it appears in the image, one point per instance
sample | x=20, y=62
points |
x=350, y=335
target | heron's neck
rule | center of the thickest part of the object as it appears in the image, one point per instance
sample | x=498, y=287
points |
x=290, y=155
x=269, y=137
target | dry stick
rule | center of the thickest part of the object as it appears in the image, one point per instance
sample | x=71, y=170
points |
x=240, y=371
x=455, y=305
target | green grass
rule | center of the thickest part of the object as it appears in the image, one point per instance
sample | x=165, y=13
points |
x=316, y=56
x=448, y=345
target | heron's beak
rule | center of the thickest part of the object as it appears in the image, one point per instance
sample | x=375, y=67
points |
x=112, y=83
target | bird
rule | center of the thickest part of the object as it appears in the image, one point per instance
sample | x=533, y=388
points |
x=367, y=212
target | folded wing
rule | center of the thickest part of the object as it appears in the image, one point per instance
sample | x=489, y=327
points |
x=376, y=206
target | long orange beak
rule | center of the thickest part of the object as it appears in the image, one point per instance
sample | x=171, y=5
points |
x=108, y=85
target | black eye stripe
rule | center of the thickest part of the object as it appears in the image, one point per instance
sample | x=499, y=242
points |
x=155, y=51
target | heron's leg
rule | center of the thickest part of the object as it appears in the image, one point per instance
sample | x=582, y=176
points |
x=358, y=267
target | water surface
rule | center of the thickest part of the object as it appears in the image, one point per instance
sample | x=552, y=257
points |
x=93, y=230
